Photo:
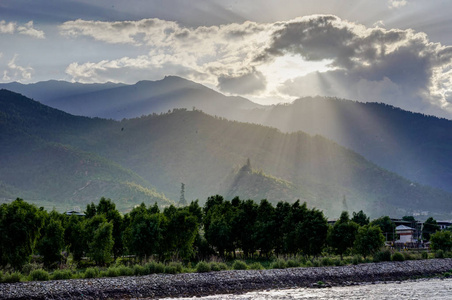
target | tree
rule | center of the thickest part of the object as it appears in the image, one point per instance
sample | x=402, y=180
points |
x=342, y=235
x=441, y=240
x=387, y=227
x=265, y=230
x=20, y=225
x=179, y=230
x=312, y=232
x=430, y=227
x=74, y=237
x=360, y=218
x=282, y=211
x=107, y=208
x=101, y=247
x=243, y=225
x=218, y=226
x=369, y=240
x=52, y=242
x=143, y=236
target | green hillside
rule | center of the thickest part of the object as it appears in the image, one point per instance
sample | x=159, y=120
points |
x=71, y=159
x=34, y=165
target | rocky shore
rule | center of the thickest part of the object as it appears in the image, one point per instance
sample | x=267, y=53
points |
x=223, y=282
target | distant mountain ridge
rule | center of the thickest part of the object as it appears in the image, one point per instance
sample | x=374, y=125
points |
x=119, y=101
x=76, y=160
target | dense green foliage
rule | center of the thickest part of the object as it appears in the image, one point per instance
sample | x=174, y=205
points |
x=441, y=240
x=369, y=240
x=387, y=227
x=190, y=233
x=20, y=226
x=341, y=236
x=169, y=241
x=429, y=228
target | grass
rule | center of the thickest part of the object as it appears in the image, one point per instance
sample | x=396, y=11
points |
x=127, y=267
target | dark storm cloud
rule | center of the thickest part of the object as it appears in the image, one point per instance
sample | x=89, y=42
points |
x=372, y=59
x=251, y=82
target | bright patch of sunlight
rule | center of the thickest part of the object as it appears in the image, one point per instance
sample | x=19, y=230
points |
x=284, y=68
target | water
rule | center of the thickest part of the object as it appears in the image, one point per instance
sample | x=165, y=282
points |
x=421, y=289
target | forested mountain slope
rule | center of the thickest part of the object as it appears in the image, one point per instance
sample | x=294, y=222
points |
x=61, y=157
x=416, y=146
x=413, y=145
x=38, y=162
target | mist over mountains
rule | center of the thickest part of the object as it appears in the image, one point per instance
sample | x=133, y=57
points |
x=59, y=159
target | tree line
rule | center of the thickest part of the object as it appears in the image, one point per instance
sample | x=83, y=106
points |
x=189, y=233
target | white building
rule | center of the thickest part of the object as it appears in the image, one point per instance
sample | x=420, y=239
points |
x=405, y=233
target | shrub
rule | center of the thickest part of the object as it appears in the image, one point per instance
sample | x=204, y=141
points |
x=439, y=253
x=398, y=257
x=256, y=266
x=139, y=270
x=170, y=269
x=202, y=267
x=384, y=255
x=111, y=272
x=125, y=271
x=424, y=255
x=223, y=266
x=214, y=266
x=279, y=264
x=159, y=268
x=177, y=265
x=27, y=268
x=338, y=262
x=91, y=273
x=326, y=261
x=308, y=264
x=408, y=256
x=149, y=268
x=316, y=263
x=292, y=263
x=39, y=275
x=356, y=260
x=302, y=260
x=239, y=265
x=61, y=274
x=12, y=277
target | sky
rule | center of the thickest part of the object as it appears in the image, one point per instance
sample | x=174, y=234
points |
x=392, y=51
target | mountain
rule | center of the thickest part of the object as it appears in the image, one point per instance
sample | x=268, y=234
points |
x=414, y=145
x=118, y=101
x=38, y=164
x=64, y=158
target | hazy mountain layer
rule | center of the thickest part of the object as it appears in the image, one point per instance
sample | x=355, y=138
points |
x=416, y=146
x=63, y=158
x=118, y=101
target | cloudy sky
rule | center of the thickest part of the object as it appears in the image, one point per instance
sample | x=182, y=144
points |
x=270, y=51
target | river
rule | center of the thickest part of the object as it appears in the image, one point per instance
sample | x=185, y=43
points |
x=416, y=289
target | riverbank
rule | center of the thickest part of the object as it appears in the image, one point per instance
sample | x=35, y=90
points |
x=222, y=282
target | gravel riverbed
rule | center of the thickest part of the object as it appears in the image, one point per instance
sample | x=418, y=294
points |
x=223, y=282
